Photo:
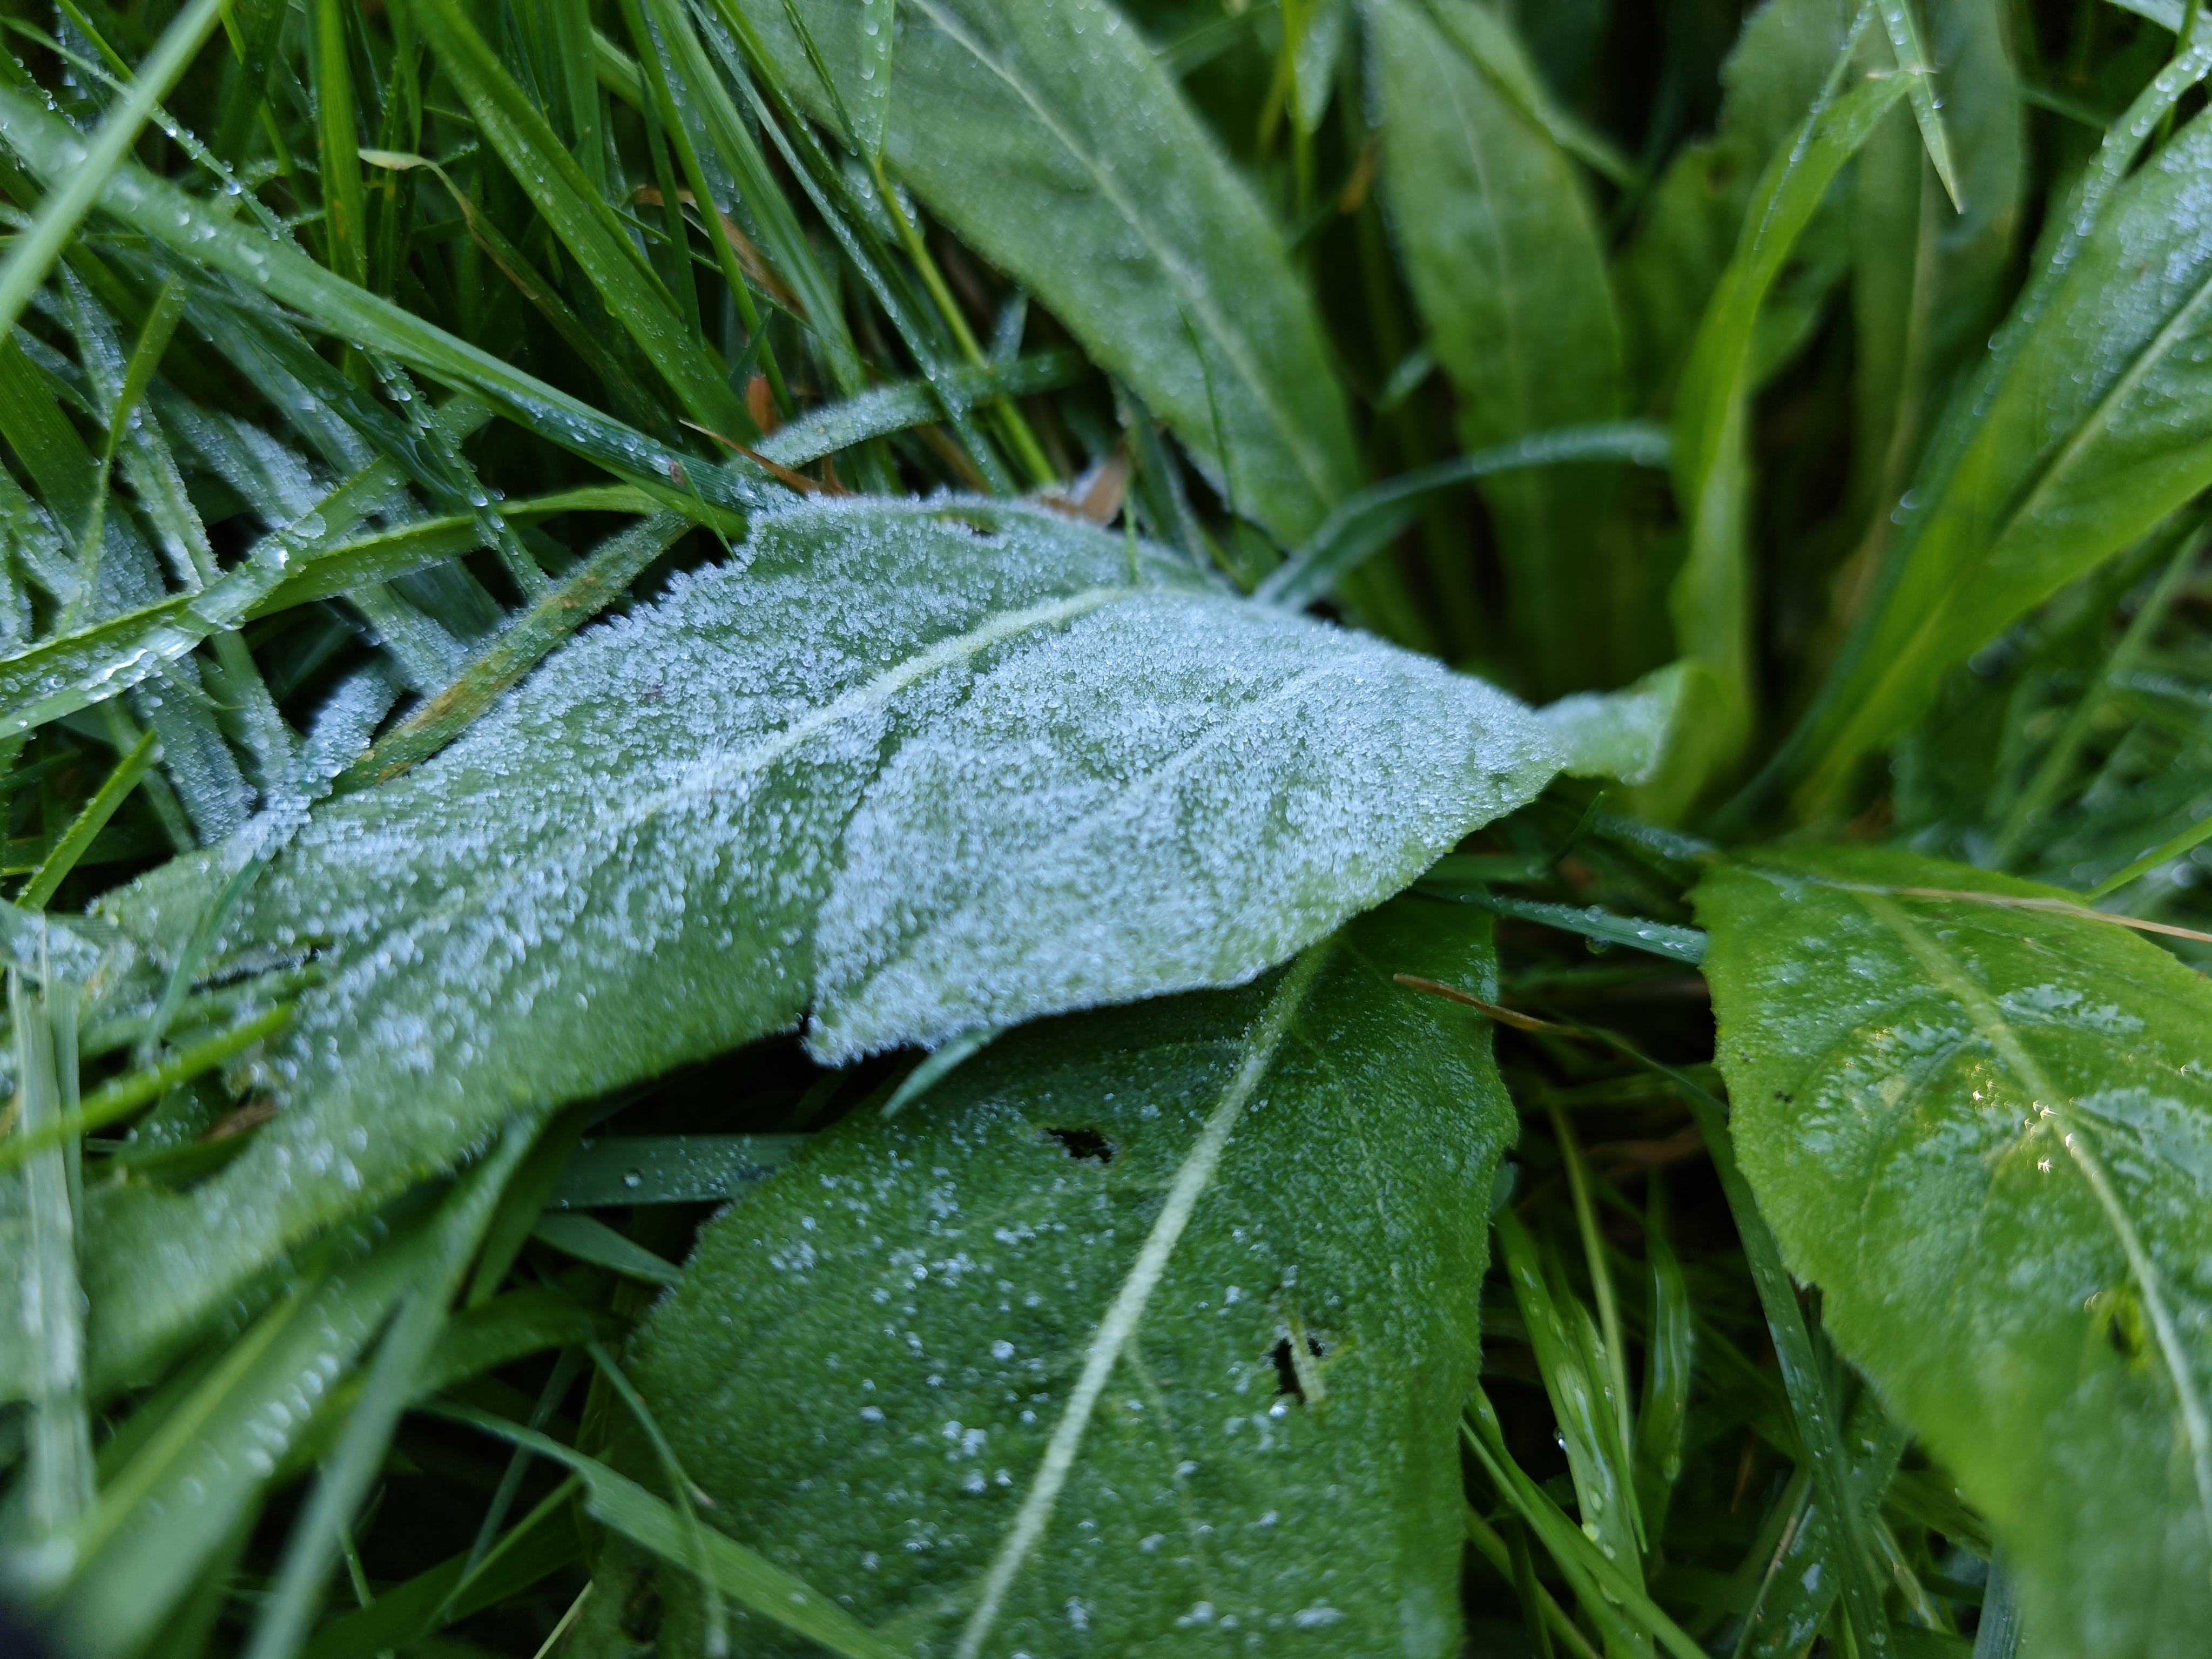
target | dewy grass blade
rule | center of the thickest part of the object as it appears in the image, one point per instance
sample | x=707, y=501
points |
x=58, y=1482
x=314, y=1545
x=517, y=651
x=625, y=1507
x=89, y=167
x=283, y=273
x=1903, y=28
x=115, y=1101
x=54, y=869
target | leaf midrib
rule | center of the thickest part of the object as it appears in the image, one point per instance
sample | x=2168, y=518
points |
x=705, y=776
x=1990, y=1020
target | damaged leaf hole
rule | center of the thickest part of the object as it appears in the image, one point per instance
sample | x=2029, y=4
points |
x=1085, y=1146
x=1296, y=1361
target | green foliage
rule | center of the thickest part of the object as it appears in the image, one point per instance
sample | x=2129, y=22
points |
x=1200, y=1337
x=759, y=899
x=1992, y=1106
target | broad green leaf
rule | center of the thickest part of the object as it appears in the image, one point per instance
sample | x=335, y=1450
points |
x=1710, y=600
x=2080, y=434
x=1976, y=1119
x=1625, y=734
x=1503, y=254
x=1165, y=1354
x=921, y=768
x=1050, y=139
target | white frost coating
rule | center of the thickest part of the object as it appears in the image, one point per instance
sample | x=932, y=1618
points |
x=922, y=778
x=1621, y=734
x=1177, y=790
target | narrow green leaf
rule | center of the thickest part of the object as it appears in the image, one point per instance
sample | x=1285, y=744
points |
x=1994, y=1112
x=1051, y=140
x=1710, y=601
x=886, y=408
x=872, y=100
x=200, y=1464
x=541, y=1543
x=629, y=1509
x=283, y=273
x=668, y=1169
x=1903, y=28
x=2074, y=439
x=518, y=650
x=593, y=1241
x=54, y=869
x=587, y=226
x=1121, y=1334
x=1503, y=253
x=1925, y=280
x=1362, y=524
x=345, y=205
x=88, y=167
x=904, y=762
x=311, y=1549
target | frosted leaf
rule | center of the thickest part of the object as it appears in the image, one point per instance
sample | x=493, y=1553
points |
x=1174, y=1332
x=921, y=778
x=1622, y=734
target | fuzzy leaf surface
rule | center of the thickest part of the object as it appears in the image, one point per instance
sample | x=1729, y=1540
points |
x=1503, y=257
x=1045, y=133
x=1204, y=1262
x=919, y=776
x=1985, y=1132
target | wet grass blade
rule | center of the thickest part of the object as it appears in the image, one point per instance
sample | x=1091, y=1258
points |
x=54, y=869
x=89, y=166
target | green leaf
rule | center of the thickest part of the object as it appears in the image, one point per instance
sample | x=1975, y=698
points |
x=1710, y=601
x=595, y=1242
x=1925, y=279
x=280, y=271
x=624, y=1507
x=1691, y=227
x=2082, y=430
x=923, y=766
x=1502, y=252
x=1180, y=1270
x=668, y=1169
x=1050, y=139
x=1976, y=1119
x=199, y=1456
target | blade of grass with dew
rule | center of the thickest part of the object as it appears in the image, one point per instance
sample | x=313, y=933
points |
x=58, y=1479
x=55, y=222
x=628, y=1169
x=560, y=613
x=625, y=1507
x=313, y=1546
x=284, y=274
x=54, y=869
x=593, y=234
x=1710, y=598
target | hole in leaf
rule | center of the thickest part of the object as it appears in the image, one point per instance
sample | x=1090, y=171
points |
x=1287, y=1379
x=1083, y=1145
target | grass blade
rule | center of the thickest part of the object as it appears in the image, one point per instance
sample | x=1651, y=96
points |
x=89, y=166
